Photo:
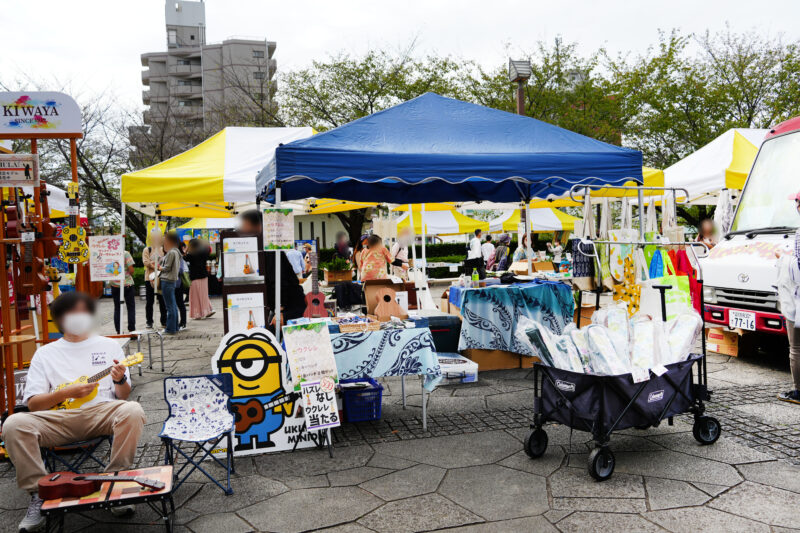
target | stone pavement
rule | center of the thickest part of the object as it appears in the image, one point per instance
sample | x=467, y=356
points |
x=468, y=473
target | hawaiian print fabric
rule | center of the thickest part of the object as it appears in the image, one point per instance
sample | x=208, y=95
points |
x=198, y=409
x=490, y=315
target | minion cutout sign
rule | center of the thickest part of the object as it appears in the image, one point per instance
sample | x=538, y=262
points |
x=269, y=415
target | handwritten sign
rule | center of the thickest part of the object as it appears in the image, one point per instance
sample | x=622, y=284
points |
x=278, y=229
x=19, y=170
x=310, y=353
x=106, y=257
x=319, y=404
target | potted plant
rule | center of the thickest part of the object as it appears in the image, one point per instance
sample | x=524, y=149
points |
x=337, y=270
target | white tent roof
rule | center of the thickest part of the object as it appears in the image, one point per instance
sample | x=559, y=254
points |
x=704, y=172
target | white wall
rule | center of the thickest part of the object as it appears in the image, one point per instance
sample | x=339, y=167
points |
x=331, y=224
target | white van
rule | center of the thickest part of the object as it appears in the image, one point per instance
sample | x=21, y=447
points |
x=739, y=273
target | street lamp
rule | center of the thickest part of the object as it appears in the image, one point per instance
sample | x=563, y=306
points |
x=519, y=72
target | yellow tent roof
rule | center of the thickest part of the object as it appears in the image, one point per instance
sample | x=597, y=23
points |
x=543, y=220
x=325, y=206
x=443, y=223
x=446, y=206
x=744, y=153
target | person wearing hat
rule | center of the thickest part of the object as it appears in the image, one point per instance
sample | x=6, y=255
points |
x=501, y=253
x=789, y=296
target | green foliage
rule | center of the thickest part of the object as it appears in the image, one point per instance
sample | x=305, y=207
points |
x=138, y=276
x=336, y=264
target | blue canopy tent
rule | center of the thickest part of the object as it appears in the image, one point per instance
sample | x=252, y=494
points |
x=437, y=149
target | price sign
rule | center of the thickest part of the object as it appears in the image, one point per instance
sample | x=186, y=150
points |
x=19, y=170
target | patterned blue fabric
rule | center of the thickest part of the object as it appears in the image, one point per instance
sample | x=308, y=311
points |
x=490, y=315
x=391, y=352
x=198, y=407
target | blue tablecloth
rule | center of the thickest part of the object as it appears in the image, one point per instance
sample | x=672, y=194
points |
x=391, y=352
x=490, y=315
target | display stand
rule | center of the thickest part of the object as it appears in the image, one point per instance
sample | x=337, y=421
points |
x=238, y=285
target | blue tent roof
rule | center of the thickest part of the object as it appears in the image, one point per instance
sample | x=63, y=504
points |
x=434, y=149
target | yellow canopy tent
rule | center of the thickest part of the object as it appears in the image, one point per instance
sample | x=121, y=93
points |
x=213, y=179
x=653, y=177
x=442, y=223
x=543, y=220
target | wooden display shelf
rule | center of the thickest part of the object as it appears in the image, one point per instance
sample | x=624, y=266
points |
x=17, y=339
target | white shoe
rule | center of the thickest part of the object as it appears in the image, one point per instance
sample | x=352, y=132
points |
x=33, y=521
x=122, y=511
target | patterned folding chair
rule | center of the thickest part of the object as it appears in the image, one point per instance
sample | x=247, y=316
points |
x=73, y=456
x=199, y=413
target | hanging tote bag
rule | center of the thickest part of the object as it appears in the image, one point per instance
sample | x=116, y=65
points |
x=582, y=262
x=678, y=297
x=603, y=250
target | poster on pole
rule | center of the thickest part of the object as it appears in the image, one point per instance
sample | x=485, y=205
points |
x=278, y=229
x=19, y=170
x=245, y=311
x=151, y=225
x=106, y=257
x=310, y=353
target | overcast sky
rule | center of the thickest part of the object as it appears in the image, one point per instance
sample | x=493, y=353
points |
x=95, y=44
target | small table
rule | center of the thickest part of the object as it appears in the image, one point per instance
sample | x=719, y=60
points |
x=114, y=494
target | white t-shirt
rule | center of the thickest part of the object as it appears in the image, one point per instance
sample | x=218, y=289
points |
x=488, y=250
x=475, y=249
x=63, y=362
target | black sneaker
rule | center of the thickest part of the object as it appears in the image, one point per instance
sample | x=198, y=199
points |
x=791, y=396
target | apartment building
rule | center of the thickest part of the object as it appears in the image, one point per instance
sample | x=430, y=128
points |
x=195, y=88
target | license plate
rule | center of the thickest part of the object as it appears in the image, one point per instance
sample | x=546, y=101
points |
x=742, y=319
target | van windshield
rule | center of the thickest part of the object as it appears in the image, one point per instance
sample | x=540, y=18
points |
x=775, y=176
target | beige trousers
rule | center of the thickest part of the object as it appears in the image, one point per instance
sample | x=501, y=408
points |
x=25, y=433
x=794, y=353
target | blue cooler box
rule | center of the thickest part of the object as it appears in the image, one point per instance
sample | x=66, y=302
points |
x=456, y=368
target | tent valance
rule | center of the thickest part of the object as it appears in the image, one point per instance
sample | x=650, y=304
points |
x=210, y=223
x=442, y=223
x=437, y=149
x=542, y=220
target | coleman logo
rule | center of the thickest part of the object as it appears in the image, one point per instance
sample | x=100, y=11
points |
x=656, y=396
x=566, y=386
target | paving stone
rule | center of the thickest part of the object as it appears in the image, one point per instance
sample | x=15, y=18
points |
x=532, y=524
x=541, y=466
x=495, y=492
x=770, y=505
x=449, y=404
x=473, y=449
x=380, y=460
x=246, y=491
x=421, y=513
x=310, y=462
x=711, y=490
x=414, y=481
x=510, y=399
x=554, y=515
x=347, y=528
x=582, y=522
x=216, y=522
x=724, y=450
x=776, y=413
x=14, y=498
x=775, y=474
x=603, y=505
x=669, y=494
x=673, y=465
x=310, y=482
x=694, y=519
x=354, y=476
x=576, y=483
x=310, y=509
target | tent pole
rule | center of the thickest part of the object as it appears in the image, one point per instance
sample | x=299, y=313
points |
x=640, y=193
x=278, y=274
x=424, y=237
x=528, y=236
x=122, y=273
x=413, y=235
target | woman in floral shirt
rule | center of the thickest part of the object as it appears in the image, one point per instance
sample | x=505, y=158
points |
x=375, y=258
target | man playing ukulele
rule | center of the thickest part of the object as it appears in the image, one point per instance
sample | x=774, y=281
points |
x=103, y=410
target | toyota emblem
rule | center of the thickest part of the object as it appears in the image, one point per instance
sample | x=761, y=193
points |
x=744, y=278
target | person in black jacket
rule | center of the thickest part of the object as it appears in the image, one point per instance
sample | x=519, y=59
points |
x=197, y=258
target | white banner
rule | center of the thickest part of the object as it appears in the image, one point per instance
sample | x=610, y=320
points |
x=31, y=113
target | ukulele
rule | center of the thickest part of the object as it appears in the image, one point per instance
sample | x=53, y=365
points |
x=315, y=300
x=74, y=403
x=49, y=238
x=251, y=321
x=72, y=485
x=387, y=304
x=253, y=412
x=248, y=269
x=73, y=248
x=31, y=268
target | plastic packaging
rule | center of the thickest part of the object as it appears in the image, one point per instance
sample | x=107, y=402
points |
x=682, y=333
x=604, y=353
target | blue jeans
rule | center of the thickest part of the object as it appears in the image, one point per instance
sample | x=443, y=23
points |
x=168, y=291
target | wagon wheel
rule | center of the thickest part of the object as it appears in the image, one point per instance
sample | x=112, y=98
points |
x=536, y=443
x=706, y=429
x=601, y=463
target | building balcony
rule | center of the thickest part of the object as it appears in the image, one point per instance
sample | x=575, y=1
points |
x=146, y=77
x=188, y=112
x=183, y=70
x=186, y=90
x=147, y=117
x=146, y=97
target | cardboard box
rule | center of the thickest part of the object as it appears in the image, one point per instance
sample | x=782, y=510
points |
x=544, y=266
x=494, y=359
x=723, y=342
x=456, y=368
x=444, y=304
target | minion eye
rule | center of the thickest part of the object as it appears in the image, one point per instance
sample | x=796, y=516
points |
x=249, y=368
